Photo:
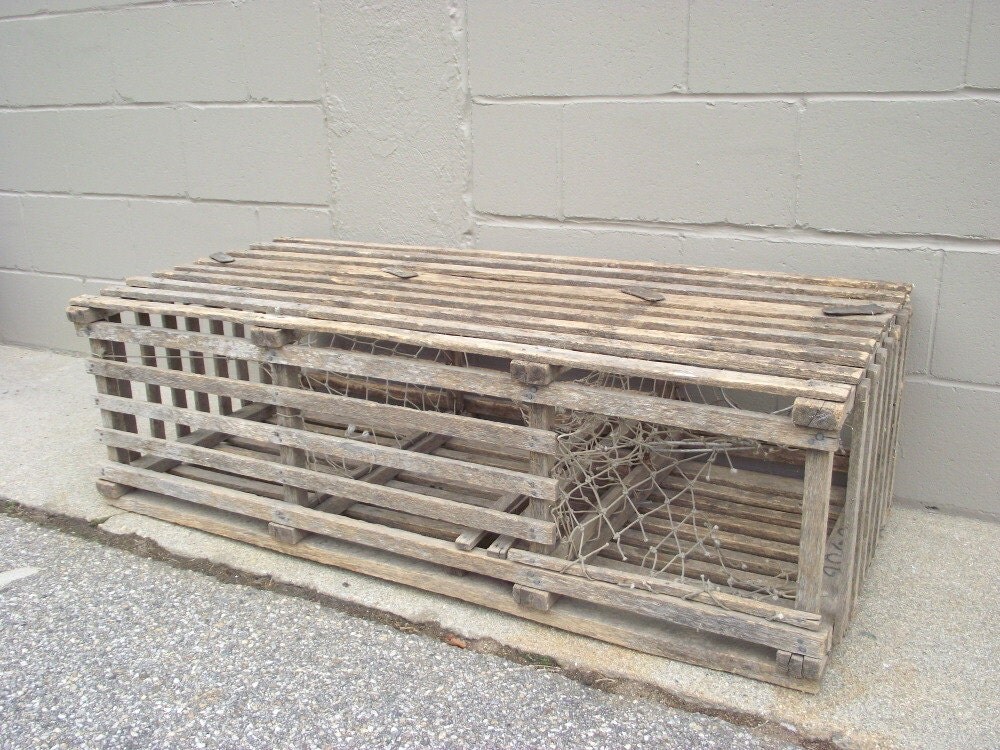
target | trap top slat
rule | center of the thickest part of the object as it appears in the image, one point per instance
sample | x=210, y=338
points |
x=744, y=322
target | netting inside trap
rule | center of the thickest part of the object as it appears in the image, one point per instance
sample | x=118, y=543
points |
x=631, y=491
x=633, y=499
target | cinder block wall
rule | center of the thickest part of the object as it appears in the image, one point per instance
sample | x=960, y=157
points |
x=857, y=138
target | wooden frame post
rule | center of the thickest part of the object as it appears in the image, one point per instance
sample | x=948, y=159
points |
x=812, y=542
x=81, y=317
x=542, y=417
x=286, y=376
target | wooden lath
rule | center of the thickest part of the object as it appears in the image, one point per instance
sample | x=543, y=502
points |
x=405, y=412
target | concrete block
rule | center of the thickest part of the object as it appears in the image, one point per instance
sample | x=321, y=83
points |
x=515, y=159
x=258, y=153
x=134, y=151
x=924, y=167
x=178, y=52
x=28, y=160
x=564, y=47
x=920, y=267
x=33, y=310
x=680, y=161
x=851, y=45
x=621, y=244
x=168, y=233
x=131, y=150
x=12, y=240
x=983, y=68
x=967, y=334
x=77, y=235
x=281, y=49
x=397, y=120
x=57, y=60
x=284, y=221
x=949, y=434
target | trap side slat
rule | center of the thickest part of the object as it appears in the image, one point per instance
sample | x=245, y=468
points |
x=691, y=614
x=748, y=562
x=175, y=361
x=812, y=539
x=605, y=401
x=628, y=345
x=220, y=368
x=649, y=636
x=468, y=292
x=737, y=380
x=557, y=260
x=350, y=450
x=284, y=302
x=660, y=525
x=843, y=590
x=766, y=610
x=291, y=260
x=147, y=355
x=355, y=410
x=371, y=494
x=468, y=306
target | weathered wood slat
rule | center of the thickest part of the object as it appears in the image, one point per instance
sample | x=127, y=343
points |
x=688, y=613
x=815, y=515
x=287, y=258
x=622, y=628
x=373, y=494
x=453, y=290
x=749, y=606
x=602, y=263
x=738, y=356
x=458, y=302
x=606, y=401
x=851, y=352
x=342, y=448
x=762, y=383
x=355, y=410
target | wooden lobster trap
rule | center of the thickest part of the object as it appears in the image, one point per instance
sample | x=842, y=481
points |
x=689, y=462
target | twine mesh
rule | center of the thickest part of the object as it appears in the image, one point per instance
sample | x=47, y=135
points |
x=630, y=497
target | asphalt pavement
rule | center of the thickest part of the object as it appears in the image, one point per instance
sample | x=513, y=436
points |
x=102, y=648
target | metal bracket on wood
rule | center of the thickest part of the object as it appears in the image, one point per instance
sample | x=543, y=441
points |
x=402, y=273
x=840, y=311
x=644, y=293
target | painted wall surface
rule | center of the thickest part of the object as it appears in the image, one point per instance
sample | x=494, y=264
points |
x=857, y=138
